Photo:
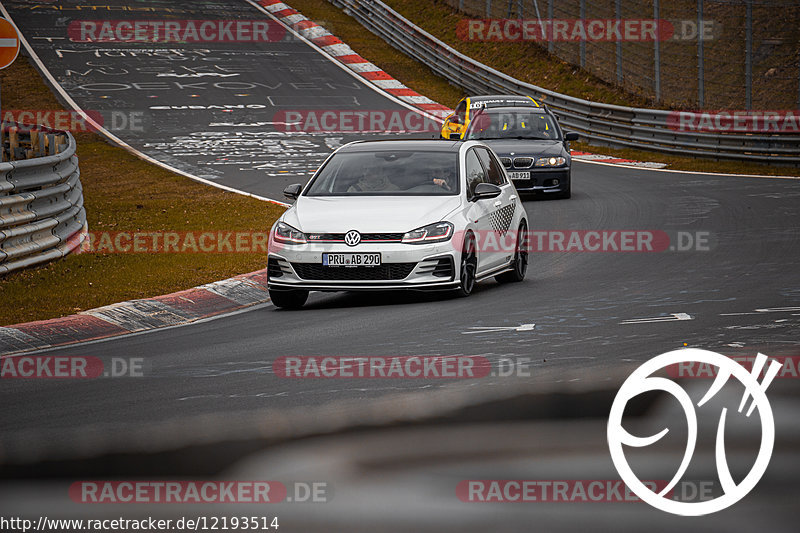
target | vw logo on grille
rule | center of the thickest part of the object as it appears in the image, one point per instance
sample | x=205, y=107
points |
x=352, y=237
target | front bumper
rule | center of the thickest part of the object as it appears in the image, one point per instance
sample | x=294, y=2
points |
x=403, y=266
x=541, y=181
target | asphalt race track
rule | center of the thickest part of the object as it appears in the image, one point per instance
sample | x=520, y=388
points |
x=579, y=318
x=213, y=381
x=578, y=302
x=212, y=109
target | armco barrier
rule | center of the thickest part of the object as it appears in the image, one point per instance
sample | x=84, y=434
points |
x=603, y=124
x=41, y=207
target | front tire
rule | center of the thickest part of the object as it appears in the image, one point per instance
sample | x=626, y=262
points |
x=293, y=299
x=469, y=267
x=520, y=262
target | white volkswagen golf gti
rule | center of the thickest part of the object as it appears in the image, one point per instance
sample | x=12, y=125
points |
x=384, y=215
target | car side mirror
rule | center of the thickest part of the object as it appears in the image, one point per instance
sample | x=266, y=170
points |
x=455, y=136
x=293, y=191
x=484, y=191
x=571, y=136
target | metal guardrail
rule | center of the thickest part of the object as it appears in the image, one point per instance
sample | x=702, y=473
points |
x=714, y=54
x=41, y=208
x=603, y=124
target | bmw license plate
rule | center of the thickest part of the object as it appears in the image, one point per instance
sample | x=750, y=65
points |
x=520, y=175
x=351, y=259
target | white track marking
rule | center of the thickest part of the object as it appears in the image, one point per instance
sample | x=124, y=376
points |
x=674, y=317
x=494, y=329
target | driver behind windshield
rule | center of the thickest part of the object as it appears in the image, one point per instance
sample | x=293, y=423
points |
x=373, y=180
x=444, y=177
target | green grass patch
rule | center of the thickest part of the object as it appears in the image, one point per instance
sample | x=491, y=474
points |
x=124, y=193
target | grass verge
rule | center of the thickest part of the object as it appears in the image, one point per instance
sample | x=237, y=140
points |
x=518, y=60
x=124, y=193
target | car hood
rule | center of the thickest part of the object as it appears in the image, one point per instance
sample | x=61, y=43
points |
x=368, y=214
x=503, y=147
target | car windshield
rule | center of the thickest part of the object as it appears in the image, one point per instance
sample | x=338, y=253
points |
x=388, y=173
x=505, y=124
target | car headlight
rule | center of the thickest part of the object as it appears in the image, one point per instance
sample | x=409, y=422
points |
x=286, y=234
x=439, y=232
x=551, y=161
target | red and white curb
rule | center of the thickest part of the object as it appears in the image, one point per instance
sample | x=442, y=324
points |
x=133, y=316
x=586, y=156
x=334, y=47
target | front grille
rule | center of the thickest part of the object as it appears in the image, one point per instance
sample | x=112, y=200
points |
x=386, y=271
x=382, y=237
x=523, y=162
x=506, y=161
x=365, y=237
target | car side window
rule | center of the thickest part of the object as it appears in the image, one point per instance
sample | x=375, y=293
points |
x=494, y=171
x=475, y=172
x=461, y=112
